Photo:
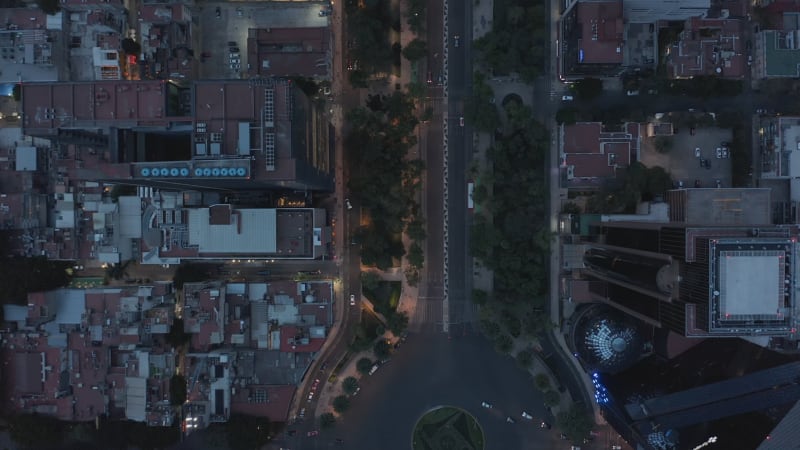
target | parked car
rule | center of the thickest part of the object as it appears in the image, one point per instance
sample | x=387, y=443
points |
x=313, y=433
x=633, y=93
x=719, y=184
x=218, y=12
x=725, y=153
x=719, y=152
x=461, y=121
x=486, y=405
x=235, y=49
x=545, y=425
x=456, y=40
x=352, y=300
x=525, y=415
x=566, y=98
x=347, y=203
x=510, y=420
x=697, y=152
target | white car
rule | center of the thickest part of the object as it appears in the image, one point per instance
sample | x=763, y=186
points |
x=461, y=121
x=719, y=152
x=352, y=300
x=697, y=152
x=566, y=98
x=347, y=203
x=486, y=405
x=525, y=415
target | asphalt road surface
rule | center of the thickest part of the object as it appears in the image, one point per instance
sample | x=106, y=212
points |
x=432, y=369
x=427, y=314
x=461, y=308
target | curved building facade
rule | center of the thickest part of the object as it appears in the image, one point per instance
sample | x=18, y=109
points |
x=606, y=341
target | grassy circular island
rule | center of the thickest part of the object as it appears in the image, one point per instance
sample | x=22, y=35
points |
x=447, y=428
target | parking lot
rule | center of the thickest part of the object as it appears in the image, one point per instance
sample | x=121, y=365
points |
x=682, y=163
x=233, y=22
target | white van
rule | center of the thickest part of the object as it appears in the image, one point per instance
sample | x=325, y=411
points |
x=374, y=369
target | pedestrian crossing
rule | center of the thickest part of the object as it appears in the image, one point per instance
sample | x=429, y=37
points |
x=427, y=315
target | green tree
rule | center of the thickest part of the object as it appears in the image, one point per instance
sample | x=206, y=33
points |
x=415, y=50
x=542, y=382
x=503, y=343
x=490, y=329
x=177, y=336
x=525, y=358
x=575, y=423
x=415, y=256
x=117, y=271
x=247, y=432
x=33, y=431
x=416, y=89
x=49, y=7
x=566, y=116
x=588, y=88
x=551, y=398
x=350, y=385
x=189, y=273
x=416, y=229
x=570, y=208
x=327, y=420
x=22, y=275
x=358, y=78
x=364, y=365
x=341, y=403
x=479, y=296
x=381, y=349
x=663, y=144
x=370, y=281
x=177, y=390
x=415, y=16
x=398, y=322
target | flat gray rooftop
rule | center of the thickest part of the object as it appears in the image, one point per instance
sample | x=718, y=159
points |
x=751, y=282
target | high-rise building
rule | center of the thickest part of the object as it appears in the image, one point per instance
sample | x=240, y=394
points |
x=233, y=134
x=700, y=280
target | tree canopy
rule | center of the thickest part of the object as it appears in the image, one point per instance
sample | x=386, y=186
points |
x=22, y=275
x=518, y=40
x=384, y=180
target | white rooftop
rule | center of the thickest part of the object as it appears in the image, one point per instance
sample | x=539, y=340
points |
x=750, y=282
x=250, y=232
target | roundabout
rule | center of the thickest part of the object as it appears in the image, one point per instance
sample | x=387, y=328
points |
x=447, y=428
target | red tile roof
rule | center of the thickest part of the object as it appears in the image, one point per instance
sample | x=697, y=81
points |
x=709, y=47
x=23, y=18
x=582, y=137
x=602, y=31
x=289, y=51
x=589, y=153
x=48, y=106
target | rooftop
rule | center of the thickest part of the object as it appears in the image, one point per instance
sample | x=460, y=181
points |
x=289, y=52
x=781, y=53
x=730, y=206
x=709, y=47
x=589, y=154
x=602, y=31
